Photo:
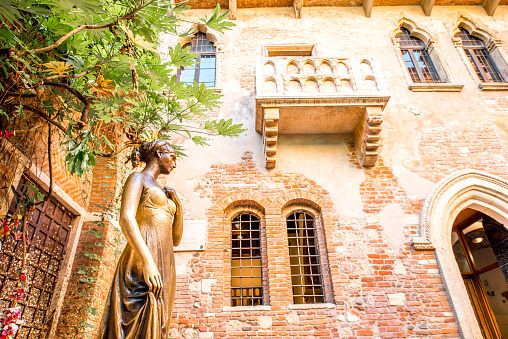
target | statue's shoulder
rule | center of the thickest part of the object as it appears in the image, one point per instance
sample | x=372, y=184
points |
x=135, y=178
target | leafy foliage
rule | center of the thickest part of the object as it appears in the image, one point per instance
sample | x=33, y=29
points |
x=102, y=58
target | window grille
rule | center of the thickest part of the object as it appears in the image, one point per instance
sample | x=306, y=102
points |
x=246, y=261
x=417, y=59
x=479, y=57
x=204, y=71
x=306, y=275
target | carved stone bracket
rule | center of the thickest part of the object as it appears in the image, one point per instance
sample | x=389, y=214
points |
x=270, y=135
x=367, y=135
x=297, y=5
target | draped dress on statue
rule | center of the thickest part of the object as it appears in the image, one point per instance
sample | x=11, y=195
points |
x=132, y=312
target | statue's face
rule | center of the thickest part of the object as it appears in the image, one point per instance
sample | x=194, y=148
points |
x=167, y=159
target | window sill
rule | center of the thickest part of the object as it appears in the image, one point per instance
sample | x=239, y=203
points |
x=310, y=306
x=246, y=308
x=493, y=86
x=435, y=87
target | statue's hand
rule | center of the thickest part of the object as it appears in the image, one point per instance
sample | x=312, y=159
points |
x=171, y=194
x=152, y=278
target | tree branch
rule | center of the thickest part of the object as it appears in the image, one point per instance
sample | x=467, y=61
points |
x=50, y=190
x=45, y=117
x=81, y=97
x=80, y=28
x=54, y=77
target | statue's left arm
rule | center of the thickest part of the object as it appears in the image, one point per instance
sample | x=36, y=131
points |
x=177, y=218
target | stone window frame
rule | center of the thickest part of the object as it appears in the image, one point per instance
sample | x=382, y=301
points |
x=477, y=190
x=494, y=47
x=448, y=83
x=314, y=212
x=238, y=209
x=218, y=41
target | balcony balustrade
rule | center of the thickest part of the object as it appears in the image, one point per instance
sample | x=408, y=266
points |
x=310, y=95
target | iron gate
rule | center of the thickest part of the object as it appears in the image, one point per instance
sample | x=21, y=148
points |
x=48, y=231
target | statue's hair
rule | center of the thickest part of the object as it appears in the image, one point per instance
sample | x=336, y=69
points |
x=145, y=152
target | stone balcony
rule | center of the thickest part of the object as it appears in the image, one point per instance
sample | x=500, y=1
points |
x=310, y=95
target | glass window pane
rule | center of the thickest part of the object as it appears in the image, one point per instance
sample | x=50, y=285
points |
x=410, y=66
x=460, y=256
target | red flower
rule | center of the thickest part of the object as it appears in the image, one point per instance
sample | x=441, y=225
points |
x=23, y=277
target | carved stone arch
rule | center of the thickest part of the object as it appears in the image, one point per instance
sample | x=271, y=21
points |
x=218, y=41
x=473, y=189
x=415, y=30
x=446, y=80
x=472, y=27
x=493, y=46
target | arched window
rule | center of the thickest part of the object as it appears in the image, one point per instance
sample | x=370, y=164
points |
x=249, y=282
x=479, y=57
x=204, y=71
x=416, y=58
x=305, y=261
x=479, y=245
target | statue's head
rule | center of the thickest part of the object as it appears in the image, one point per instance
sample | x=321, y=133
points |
x=158, y=151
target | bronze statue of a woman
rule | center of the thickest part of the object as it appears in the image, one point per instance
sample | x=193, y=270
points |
x=140, y=301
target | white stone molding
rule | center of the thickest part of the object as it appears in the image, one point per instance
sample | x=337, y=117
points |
x=343, y=86
x=432, y=47
x=218, y=41
x=493, y=45
x=473, y=189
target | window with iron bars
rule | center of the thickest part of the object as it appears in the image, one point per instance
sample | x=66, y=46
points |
x=417, y=59
x=204, y=71
x=249, y=282
x=305, y=262
x=479, y=57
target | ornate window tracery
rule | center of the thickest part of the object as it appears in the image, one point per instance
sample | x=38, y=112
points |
x=205, y=69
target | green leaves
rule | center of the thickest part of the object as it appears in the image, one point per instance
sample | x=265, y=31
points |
x=225, y=128
x=180, y=57
x=79, y=158
x=217, y=21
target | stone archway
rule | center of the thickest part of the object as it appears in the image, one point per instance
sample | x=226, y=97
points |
x=473, y=189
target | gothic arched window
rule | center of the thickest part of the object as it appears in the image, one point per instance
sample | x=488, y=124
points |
x=204, y=71
x=479, y=57
x=416, y=58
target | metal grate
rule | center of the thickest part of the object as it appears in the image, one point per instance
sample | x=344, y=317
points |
x=479, y=57
x=246, y=261
x=204, y=72
x=48, y=232
x=304, y=259
x=417, y=59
